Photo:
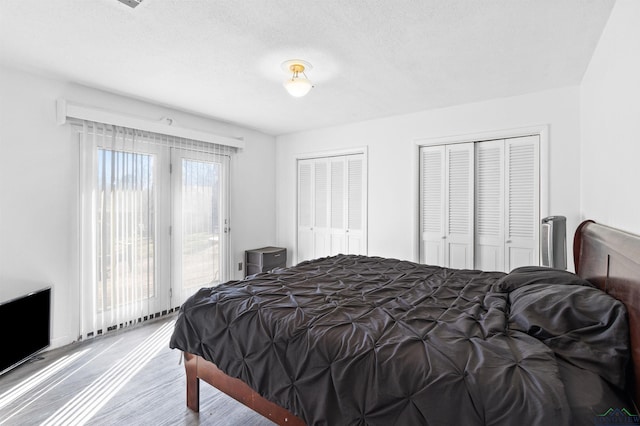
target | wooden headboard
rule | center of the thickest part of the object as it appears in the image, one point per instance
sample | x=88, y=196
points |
x=610, y=259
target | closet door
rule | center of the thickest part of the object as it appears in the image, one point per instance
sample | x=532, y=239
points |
x=447, y=205
x=480, y=204
x=459, y=205
x=507, y=203
x=337, y=218
x=305, y=249
x=355, y=200
x=432, y=202
x=490, y=212
x=331, y=206
x=321, y=193
x=522, y=201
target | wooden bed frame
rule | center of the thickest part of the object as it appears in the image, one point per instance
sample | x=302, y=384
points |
x=200, y=369
x=610, y=259
x=607, y=257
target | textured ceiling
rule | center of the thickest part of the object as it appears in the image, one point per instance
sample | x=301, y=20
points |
x=371, y=59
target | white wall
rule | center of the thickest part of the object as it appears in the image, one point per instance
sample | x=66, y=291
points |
x=595, y=178
x=39, y=195
x=393, y=159
x=610, y=123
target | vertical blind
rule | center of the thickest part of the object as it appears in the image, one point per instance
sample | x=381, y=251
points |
x=153, y=223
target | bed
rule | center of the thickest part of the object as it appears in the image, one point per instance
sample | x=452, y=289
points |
x=366, y=340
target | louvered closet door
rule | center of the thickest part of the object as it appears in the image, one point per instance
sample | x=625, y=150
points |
x=480, y=204
x=490, y=188
x=338, y=240
x=447, y=205
x=522, y=201
x=305, y=249
x=347, y=205
x=432, y=205
x=331, y=206
x=459, y=205
x=356, y=212
x=321, y=192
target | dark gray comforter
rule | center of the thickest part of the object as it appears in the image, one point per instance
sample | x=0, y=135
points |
x=349, y=340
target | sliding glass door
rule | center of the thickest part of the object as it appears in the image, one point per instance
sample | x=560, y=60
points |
x=154, y=224
x=200, y=220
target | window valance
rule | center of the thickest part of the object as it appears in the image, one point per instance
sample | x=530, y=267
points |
x=67, y=111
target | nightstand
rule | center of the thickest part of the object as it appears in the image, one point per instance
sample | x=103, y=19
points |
x=264, y=259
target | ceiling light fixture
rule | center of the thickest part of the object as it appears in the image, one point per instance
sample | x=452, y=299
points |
x=298, y=85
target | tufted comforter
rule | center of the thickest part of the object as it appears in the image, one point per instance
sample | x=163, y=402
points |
x=349, y=340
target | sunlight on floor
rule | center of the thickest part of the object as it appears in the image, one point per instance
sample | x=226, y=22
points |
x=30, y=383
x=87, y=402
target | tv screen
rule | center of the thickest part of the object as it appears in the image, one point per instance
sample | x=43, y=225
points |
x=25, y=323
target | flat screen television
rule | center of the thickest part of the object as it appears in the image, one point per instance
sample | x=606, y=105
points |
x=25, y=328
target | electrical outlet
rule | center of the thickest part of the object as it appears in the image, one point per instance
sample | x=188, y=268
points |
x=240, y=266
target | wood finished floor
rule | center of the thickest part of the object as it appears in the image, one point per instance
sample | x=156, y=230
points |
x=100, y=382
